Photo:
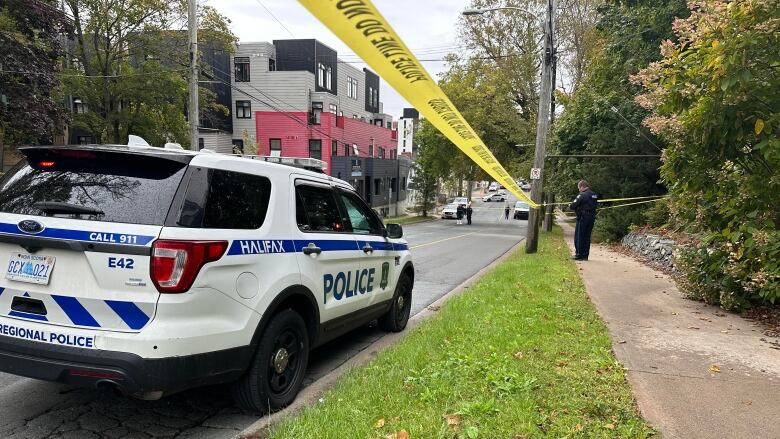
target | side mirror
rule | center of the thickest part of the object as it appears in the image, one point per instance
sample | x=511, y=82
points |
x=395, y=231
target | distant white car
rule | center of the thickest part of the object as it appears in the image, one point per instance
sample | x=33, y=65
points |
x=521, y=210
x=461, y=201
x=450, y=211
x=493, y=187
x=494, y=197
x=502, y=192
x=525, y=186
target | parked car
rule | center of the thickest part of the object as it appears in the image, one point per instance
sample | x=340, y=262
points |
x=494, y=197
x=521, y=210
x=461, y=201
x=493, y=187
x=525, y=186
x=450, y=211
x=178, y=269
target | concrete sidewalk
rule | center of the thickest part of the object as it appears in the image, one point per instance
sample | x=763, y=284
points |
x=696, y=371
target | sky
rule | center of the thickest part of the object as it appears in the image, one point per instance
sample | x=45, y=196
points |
x=428, y=27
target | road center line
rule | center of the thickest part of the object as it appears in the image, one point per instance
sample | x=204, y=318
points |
x=441, y=240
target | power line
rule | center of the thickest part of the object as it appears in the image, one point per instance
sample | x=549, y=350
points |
x=274, y=17
x=68, y=75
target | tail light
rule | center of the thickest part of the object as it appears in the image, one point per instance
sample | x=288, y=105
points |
x=175, y=264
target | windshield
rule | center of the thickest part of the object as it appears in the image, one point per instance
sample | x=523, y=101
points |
x=96, y=185
x=521, y=205
x=451, y=206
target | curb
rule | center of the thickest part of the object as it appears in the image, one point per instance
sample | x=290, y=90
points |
x=311, y=394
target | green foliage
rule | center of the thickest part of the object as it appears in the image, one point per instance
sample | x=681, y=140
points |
x=29, y=59
x=715, y=98
x=658, y=214
x=130, y=67
x=602, y=117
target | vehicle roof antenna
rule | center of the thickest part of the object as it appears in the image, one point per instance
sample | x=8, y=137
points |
x=136, y=141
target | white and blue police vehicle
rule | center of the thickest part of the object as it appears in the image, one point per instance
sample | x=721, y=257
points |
x=155, y=270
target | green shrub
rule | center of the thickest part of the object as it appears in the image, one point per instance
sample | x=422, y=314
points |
x=658, y=214
x=613, y=224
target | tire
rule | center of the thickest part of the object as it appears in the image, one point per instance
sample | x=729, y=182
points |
x=284, y=344
x=397, y=316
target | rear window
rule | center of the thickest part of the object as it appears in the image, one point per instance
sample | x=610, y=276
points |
x=110, y=186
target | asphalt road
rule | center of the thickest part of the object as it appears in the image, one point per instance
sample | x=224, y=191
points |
x=445, y=255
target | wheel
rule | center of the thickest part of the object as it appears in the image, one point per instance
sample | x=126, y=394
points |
x=276, y=373
x=397, y=317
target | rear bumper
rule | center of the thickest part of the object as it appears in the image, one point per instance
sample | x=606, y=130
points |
x=130, y=373
x=521, y=215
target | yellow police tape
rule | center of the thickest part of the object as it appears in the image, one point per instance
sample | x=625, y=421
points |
x=360, y=25
x=612, y=200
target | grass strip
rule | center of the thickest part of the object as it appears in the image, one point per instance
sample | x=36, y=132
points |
x=521, y=354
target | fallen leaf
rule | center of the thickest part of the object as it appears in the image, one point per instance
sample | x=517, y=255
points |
x=674, y=314
x=434, y=307
x=452, y=420
x=399, y=435
x=693, y=327
x=715, y=368
x=611, y=426
x=621, y=342
x=578, y=427
x=380, y=423
x=519, y=355
x=724, y=331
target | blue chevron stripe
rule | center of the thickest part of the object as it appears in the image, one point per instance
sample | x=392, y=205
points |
x=130, y=313
x=76, y=311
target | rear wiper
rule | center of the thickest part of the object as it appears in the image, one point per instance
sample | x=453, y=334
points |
x=55, y=208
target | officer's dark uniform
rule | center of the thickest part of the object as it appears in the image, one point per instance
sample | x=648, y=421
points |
x=585, y=206
x=469, y=211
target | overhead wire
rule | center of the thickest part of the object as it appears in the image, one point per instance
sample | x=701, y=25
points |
x=274, y=17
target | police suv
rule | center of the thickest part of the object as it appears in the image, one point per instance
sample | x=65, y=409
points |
x=154, y=270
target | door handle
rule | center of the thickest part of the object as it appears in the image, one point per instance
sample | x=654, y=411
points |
x=311, y=249
x=367, y=248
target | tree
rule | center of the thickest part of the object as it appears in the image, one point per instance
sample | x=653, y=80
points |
x=31, y=36
x=715, y=99
x=130, y=65
x=601, y=117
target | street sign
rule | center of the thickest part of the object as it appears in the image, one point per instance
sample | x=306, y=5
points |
x=536, y=173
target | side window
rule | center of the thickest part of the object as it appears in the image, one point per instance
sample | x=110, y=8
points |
x=363, y=221
x=317, y=210
x=219, y=199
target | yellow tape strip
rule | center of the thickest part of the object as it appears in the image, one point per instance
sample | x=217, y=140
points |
x=631, y=204
x=360, y=25
x=611, y=200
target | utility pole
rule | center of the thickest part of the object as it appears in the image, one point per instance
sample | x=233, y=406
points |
x=542, y=128
x=550, y=198
x=193, y=115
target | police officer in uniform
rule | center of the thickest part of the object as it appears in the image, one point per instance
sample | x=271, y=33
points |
x=585, y=207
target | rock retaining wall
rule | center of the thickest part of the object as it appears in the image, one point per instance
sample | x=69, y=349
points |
x=654, y=248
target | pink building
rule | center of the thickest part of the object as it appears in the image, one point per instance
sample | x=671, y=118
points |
x=283, y=134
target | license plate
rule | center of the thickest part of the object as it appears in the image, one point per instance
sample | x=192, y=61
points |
x=35, y=269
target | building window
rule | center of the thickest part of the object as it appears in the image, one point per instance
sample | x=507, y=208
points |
x=393, y=154
x=333, y=108
x=271, y=65
x=377, y=186
x=334, y=147
x=346, y=149
x=352, y=87
x=321, y=75
x=403, y=184
x=316, y=113
x=243, y=110
x=394, y=184
x=201, y=143
x=381, y=153
x=389, y=126
x=362, y=118
x=371, y=96
x=238, y=146
x=404, y=144
x=315, y=149
x=370, y=150
x=79, y=107
x=275, y=147
x=241, y=66
x=84, y=140
x=329, y=78
x=376, y=98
